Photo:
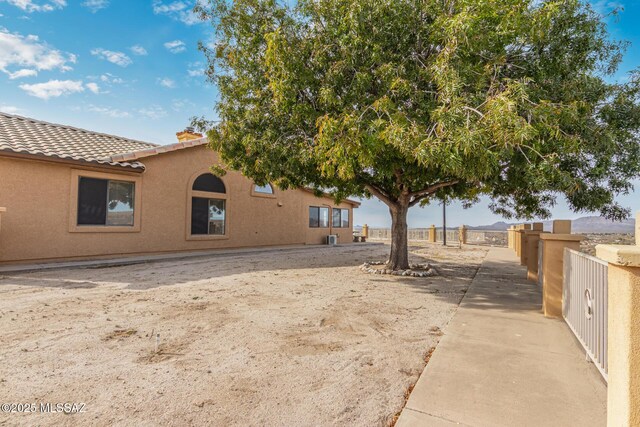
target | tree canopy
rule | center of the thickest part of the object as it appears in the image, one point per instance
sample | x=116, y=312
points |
x=411, y=100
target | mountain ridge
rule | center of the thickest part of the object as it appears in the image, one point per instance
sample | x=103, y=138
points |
x=586, y=224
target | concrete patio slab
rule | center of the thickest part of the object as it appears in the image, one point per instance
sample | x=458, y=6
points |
x=501, y=363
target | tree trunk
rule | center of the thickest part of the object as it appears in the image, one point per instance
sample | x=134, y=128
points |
x=399, y=257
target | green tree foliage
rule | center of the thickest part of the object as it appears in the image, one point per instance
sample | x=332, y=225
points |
x=415, y=100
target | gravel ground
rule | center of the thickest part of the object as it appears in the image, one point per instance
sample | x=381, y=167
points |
x=592, y=239
x=298, y=337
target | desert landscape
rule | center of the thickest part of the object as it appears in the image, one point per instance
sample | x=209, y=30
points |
x=288, y=337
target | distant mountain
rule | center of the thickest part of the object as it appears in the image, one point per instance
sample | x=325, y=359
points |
x=500, y=225
x=596, y=224
x=587, y=224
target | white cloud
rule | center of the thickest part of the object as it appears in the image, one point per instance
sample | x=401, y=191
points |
x=176, y=6
x=110, y=79
x=182, y=104
x=604, y=7
x=25, y=72
x=199, y=72
x=95, y=5
x=179, y=10
x=93, y=87
x=53, y=88
x=32, y=6
x=175, y=46
x=10, y=109
x=109, y=112
x=138, y=50
x=30, y=55
x=153, y=112
x=117, y=58
x=166, y=82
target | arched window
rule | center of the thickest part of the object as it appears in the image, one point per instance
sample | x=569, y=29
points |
x=209, y=182
x=263, y=189
x=208, y=206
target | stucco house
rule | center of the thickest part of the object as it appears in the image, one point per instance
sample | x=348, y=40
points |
x=69, y=193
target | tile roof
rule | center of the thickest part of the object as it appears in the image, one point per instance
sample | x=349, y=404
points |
x=134, y=155
x=34, y=137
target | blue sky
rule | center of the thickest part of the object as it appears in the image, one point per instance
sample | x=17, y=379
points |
x=132, y=68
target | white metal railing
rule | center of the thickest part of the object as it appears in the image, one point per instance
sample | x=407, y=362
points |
x=487, y=237
x=584, y=304
x=452, y=235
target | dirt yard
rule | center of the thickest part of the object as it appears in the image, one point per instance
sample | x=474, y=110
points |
x=292, y=337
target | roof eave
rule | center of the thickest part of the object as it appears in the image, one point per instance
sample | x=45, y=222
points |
x=329, y=196
x=102, y=164
x=161, y=149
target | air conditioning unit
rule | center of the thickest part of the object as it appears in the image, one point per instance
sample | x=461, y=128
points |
x=332, y=239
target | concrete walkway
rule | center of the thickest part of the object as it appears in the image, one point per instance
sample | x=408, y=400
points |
x=501, y=363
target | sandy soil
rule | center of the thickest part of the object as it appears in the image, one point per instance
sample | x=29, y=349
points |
x=301, y=337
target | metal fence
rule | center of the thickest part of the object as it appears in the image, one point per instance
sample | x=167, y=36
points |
x=474, y=237
x=452, y=235
x=584, y=304
x=487, y=237
x=414, y=234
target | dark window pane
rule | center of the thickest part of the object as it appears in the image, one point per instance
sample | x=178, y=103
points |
x=313, y=216
x=335, y=221
x=120, y=203
x=345, y=218
x=92, y=201
x=324, y=218
x=216, y=216
x=209, y=182
x=199, y=215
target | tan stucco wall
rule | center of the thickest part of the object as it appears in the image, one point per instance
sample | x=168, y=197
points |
x=553, y=270
x=38, y=197
x=533, y=243
x=624, y=346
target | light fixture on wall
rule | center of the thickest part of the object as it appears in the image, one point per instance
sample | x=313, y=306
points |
x=280, y=204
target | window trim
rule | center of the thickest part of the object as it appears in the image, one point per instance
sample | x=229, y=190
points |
x=207, y=195
x=255, y=193
x=136, y=179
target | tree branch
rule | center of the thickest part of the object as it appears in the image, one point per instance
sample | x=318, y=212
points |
x=379, y=194
x=416, y=196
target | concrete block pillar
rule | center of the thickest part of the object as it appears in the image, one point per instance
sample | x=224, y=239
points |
x=638, y=228
x=462, y=235
x=2, y=210
x=561, y=226
x=522, y=243
x=516, y=240
x=553, y=269
x=533, y=242
x=365, y=230
x=623, y=390
x=432, y=233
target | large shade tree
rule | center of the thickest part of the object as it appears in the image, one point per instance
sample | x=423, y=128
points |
x=415, y=100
